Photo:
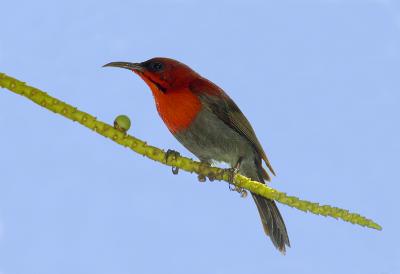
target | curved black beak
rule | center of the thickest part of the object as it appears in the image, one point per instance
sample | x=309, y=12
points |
x=125, y=65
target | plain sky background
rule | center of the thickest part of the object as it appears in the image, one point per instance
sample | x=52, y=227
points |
x=319, y=80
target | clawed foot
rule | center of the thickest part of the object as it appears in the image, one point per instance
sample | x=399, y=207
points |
x=232, y=173
x=241, y=191
x=174, y=154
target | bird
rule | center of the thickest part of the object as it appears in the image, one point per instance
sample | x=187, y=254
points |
x=207, y=122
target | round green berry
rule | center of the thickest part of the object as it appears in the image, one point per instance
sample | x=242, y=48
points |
x=122, y=123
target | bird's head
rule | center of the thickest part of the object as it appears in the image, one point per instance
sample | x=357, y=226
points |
x=161, y=74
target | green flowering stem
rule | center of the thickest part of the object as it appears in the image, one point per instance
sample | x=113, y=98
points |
x=183, y=163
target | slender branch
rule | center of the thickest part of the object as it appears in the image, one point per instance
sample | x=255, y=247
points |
x=41, y=98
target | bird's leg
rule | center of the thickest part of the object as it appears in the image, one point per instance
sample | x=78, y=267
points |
x=234, y=171
x=174, y=154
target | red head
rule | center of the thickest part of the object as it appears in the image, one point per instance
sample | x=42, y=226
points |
x=161, y=74
x=169, y=80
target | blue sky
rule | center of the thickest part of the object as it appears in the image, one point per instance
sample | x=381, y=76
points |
x=319, y=80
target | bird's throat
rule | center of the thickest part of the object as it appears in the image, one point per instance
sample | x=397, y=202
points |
x=177, y=108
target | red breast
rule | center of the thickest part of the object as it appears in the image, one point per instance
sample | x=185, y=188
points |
x=178, y=108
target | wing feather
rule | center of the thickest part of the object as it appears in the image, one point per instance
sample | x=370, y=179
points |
x=215, y=99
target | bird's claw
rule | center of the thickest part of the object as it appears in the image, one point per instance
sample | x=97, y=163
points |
x=174, y=156
x=241, y=191
x=232, y=172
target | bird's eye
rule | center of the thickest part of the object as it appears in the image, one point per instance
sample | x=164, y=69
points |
x=156, y=66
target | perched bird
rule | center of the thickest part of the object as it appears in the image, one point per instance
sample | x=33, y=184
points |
x=210, y=125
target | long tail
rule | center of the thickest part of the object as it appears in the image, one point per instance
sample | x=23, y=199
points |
x=271, y=218
x=273, y=223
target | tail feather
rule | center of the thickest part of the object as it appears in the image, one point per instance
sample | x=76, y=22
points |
x=273, y=223
x=271, y=218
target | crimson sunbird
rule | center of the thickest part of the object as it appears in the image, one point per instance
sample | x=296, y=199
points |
x=205, y=120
